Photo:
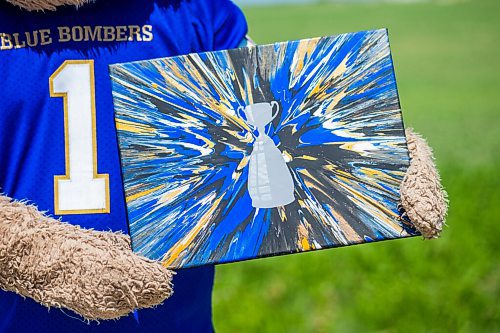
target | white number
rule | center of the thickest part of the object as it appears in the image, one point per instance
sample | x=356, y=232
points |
x=81, y=190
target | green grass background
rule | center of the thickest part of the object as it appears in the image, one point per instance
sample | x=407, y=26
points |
x=447, y=61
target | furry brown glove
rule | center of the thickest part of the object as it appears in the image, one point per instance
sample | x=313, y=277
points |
x=93, y=273
x=42, y=5
x=422, y=195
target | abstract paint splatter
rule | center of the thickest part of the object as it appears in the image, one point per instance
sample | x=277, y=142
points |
x=185, y=148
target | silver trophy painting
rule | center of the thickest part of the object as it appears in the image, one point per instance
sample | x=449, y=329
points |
x=270, y=183
x=261, y=151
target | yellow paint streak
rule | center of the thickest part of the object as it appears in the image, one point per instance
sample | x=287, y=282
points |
x=287, y=156
x=320, y=89
x=374, y=207
x=142, y=193
x=173, y=254
x=336, y=99
x=371, y=202
x=340, y=70
x=201, y=169
x=349, y=232
x=305, y=48
x=170, y=195
x=311, y=184
x=188, y=118
x=243, y=163
x=309, y=158
x=128, y=126
x=282, y=213
x=249, y=85
x=303, y=235
x=229, y=115
x=305, y=244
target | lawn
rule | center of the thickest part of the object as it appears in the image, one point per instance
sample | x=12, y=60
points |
x=447, y=61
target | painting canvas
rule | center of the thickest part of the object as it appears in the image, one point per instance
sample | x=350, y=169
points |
x=261, y=151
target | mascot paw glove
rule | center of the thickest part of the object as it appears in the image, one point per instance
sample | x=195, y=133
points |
x=423, y=198
x=92, y=273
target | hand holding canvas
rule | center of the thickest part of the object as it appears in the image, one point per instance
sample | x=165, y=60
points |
x=97, y=275
x=93, y=273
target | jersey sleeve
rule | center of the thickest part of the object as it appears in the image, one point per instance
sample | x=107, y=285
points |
x=229, y=24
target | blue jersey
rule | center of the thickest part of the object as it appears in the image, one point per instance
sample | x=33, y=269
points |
x=58, y=144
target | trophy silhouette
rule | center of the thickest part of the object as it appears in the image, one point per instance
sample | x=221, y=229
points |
x=270, y=183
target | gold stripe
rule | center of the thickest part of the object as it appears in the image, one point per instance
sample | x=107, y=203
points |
x=142, y=193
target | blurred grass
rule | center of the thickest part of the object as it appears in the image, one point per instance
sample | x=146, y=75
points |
x=447, y=61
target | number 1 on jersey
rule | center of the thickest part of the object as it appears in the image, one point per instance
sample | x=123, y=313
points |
x=81, y=190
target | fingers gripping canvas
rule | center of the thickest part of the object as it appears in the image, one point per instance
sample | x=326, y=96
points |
x=260, y=151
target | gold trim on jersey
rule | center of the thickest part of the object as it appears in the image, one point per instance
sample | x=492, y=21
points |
x=66, y=141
